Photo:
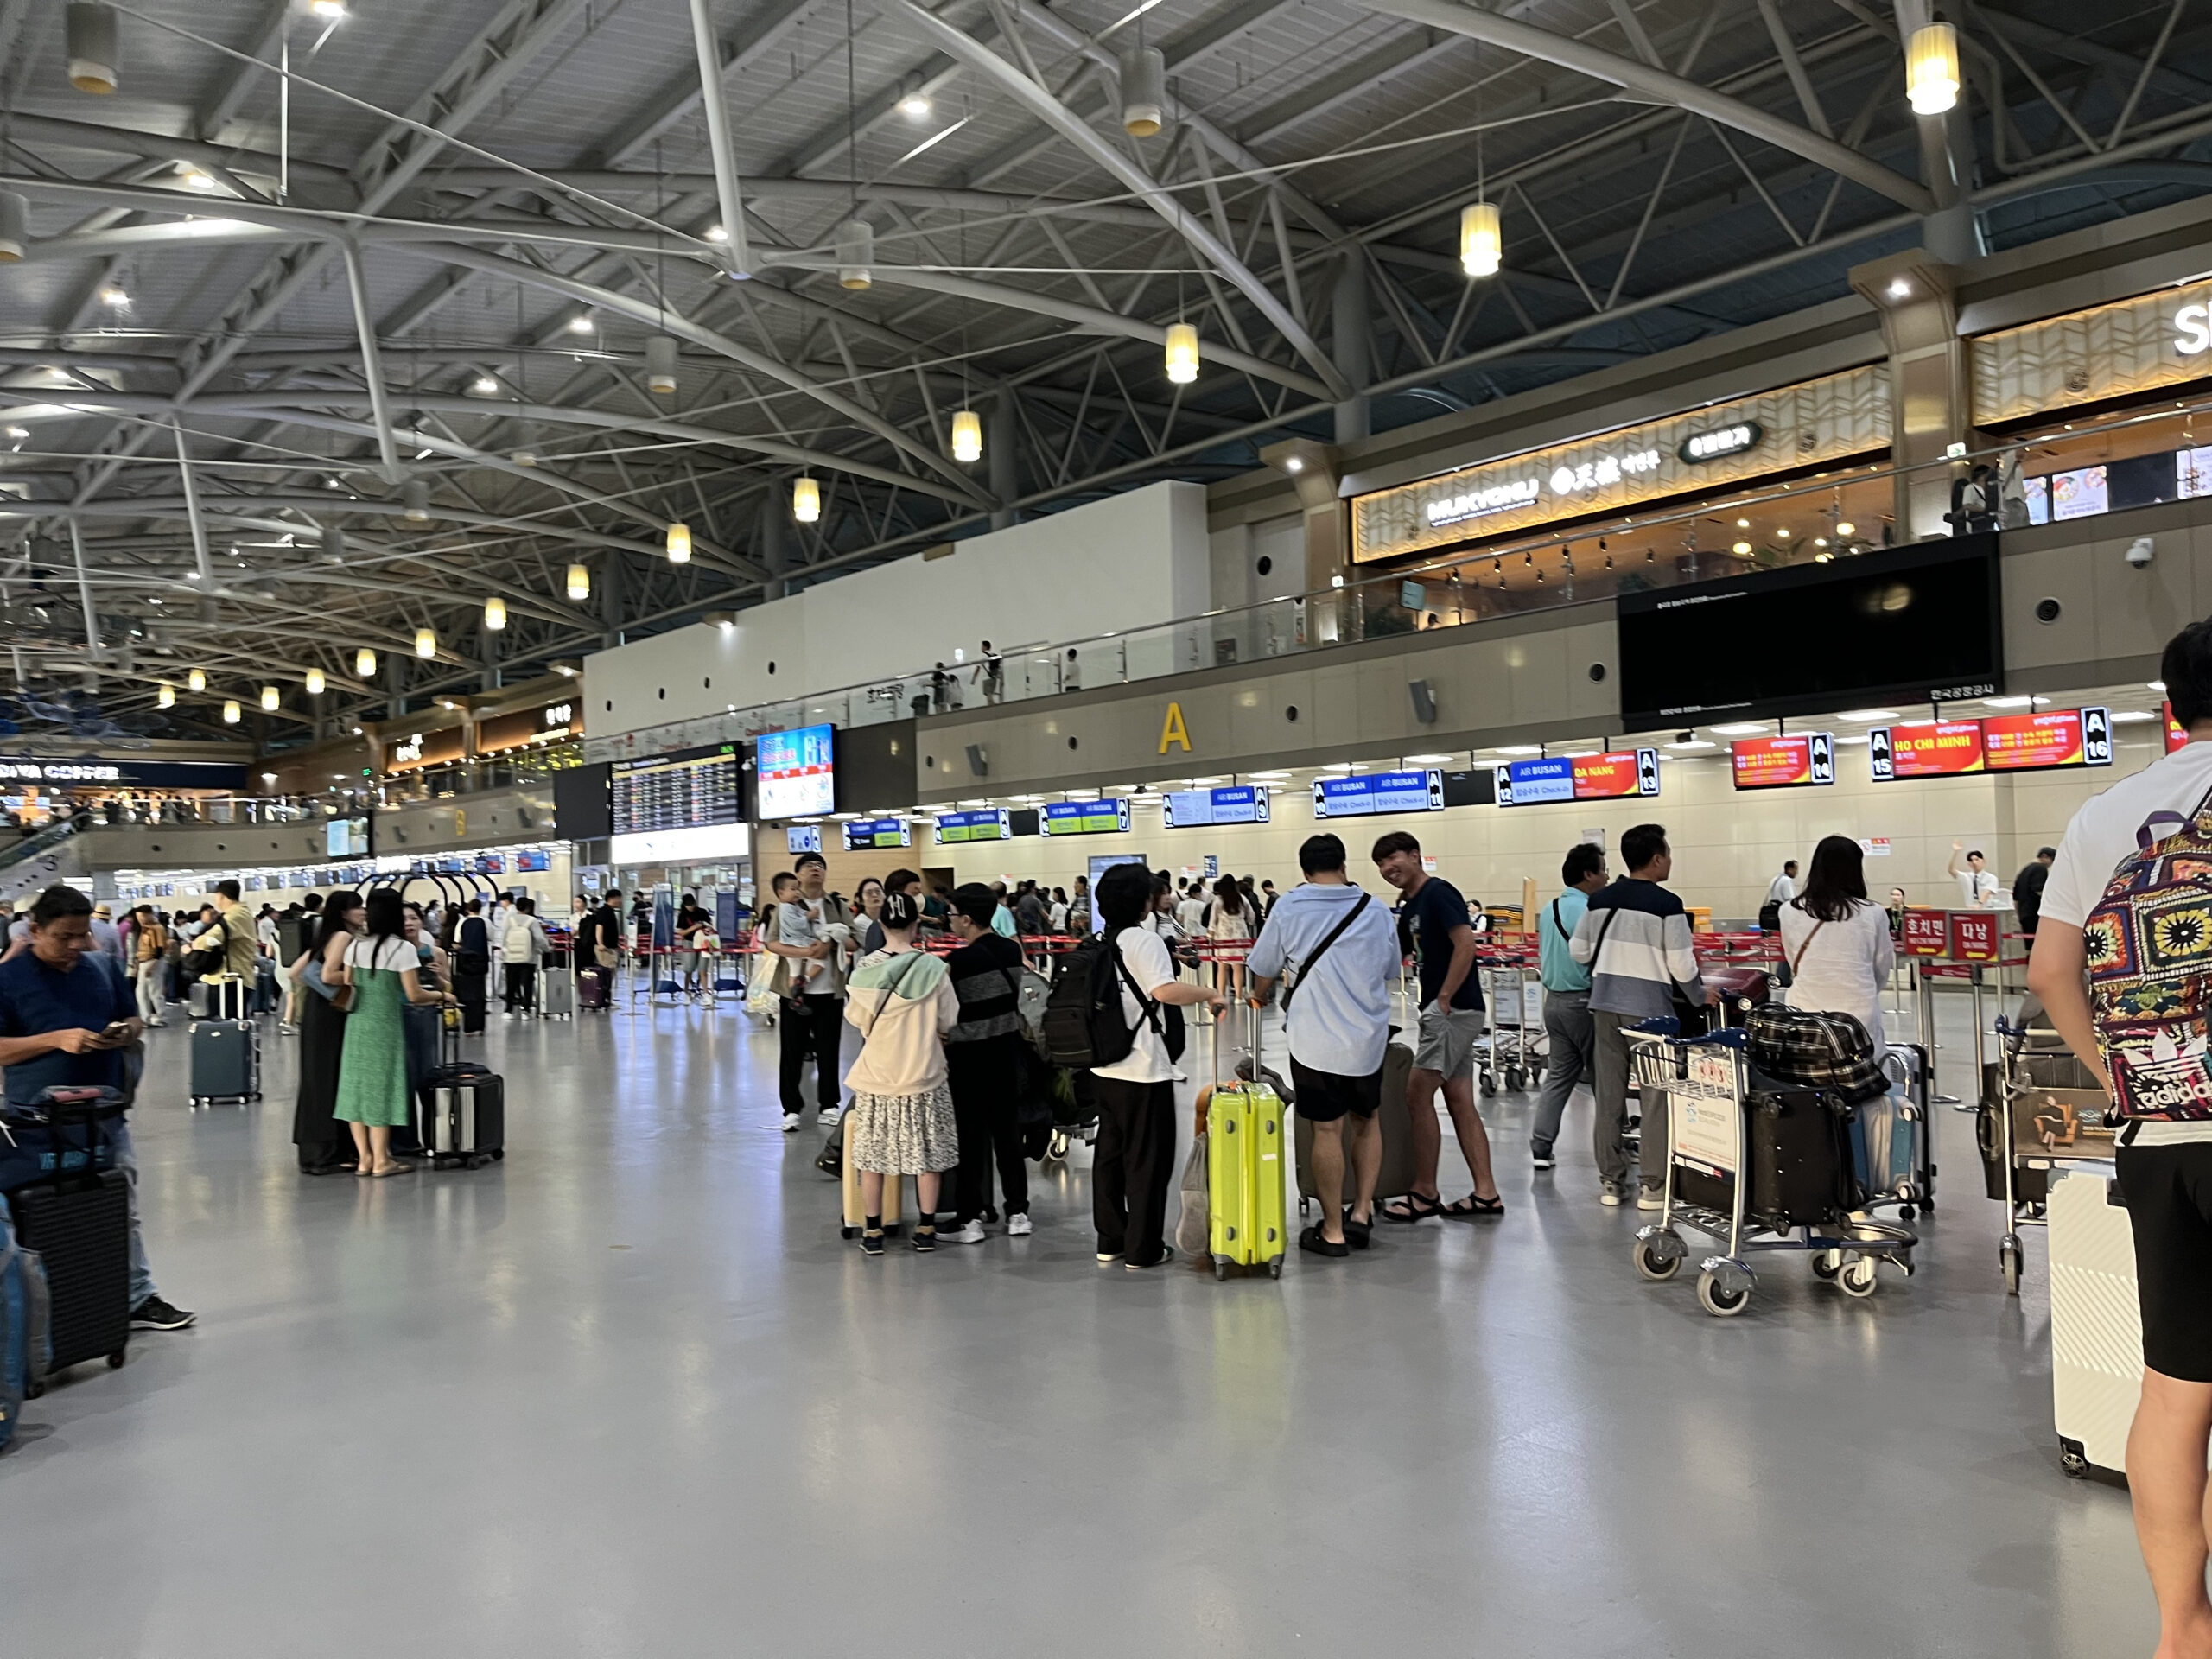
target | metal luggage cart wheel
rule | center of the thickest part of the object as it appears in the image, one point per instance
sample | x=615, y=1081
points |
x=1861, y=1278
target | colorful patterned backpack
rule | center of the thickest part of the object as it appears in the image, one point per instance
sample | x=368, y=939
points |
x=2149, y=949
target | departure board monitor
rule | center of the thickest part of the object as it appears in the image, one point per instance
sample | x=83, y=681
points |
x=688, y=790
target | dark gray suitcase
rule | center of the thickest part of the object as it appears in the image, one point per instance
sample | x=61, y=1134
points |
x=461, y=1113
x=80, y=1228
x=225, y=1061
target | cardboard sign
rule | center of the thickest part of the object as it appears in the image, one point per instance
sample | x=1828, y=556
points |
x=1924, y=933
x=1973, y=935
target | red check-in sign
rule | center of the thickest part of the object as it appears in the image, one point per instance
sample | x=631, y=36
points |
x=1973, y=935
x=1925, y=933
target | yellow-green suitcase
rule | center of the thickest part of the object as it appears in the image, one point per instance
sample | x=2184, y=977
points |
x=1247, y=1222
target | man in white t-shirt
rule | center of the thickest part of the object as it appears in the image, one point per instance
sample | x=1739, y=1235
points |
x=1191, y=909
x=2165, y=1169
x=1783, y=888
x=1134, y=1161
x=1977, y=885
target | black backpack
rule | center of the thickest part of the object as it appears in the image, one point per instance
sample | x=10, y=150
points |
x=1084, y=1025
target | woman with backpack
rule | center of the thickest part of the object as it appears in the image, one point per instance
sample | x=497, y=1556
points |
x=1836, y=941
x=901, y=1119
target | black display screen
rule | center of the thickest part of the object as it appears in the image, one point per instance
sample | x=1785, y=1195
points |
x=1916, y=625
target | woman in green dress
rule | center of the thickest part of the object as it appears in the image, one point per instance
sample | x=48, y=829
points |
x=381, y=964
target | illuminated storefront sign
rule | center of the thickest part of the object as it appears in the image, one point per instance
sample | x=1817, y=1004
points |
x=1836, y=417
x=2089, y=356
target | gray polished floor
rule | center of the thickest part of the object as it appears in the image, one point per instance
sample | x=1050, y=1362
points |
x=627, y=1394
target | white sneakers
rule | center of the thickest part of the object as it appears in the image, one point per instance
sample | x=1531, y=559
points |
x=1017, y=1226
x=791, y=1123
x=827, y=1117
x=971, y=1234
x=1648, y=1199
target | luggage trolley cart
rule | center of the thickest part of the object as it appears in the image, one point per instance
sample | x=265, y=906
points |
x=1512, y=1054
x=2043, y=1113
x=1710, y=1101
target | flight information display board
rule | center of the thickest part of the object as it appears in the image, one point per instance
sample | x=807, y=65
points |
x=988, y=825
x=684, y=791
x=797, y=771
x=1364, y=795
x=1084, y=817
x=2057, y=737
x=1193, y=809
x=1795, y=761
x=1928, y=748
x=1577, y=778
x=871, y=835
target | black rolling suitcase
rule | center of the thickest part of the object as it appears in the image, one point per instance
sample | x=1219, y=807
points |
x=74, y=1211
x=461, y=1111
x=1803, y=1172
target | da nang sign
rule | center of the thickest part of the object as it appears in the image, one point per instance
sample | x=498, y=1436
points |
x=2086, y=357
x=1834, y=418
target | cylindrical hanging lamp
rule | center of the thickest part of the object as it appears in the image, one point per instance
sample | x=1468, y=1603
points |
x=1931, y=69
x=415, y=501
x=1144, y=91
x=679, y=543
x=316, y=683
x=1182, y=352
x=426, y=643
x=966, y=435
x=806, y=499
x=524, y=454
x=271, y=698
x=197, y=679
x=660, y=365
x=14, y=228
x=1481, y=241
x=231, y=712
x=166, y=697
x=579, y=581
x=333, y=544
x=95, y=46
x=495, y=613
x=364, y=664
x=855, y=240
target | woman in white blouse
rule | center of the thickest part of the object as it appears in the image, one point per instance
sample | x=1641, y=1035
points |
x=1837, y=941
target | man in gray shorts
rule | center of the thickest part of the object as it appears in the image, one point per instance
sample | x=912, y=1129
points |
x=1451, y=1024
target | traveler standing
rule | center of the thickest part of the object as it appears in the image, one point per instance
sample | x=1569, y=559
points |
x=606, y=930
x=1080, y=906
x=1230, y=926
x=1030, y=914
x=1002, y=920
x=1133, y=1162
x=1451, y=1024
x=325, y=1145
x=384, y=973
x=107, y=938
x=991, y=672
x=903, y=1114
x=66, y=1016
x=241, y=944
x=1337, y=950
x=149, y=941
x=941, y=689
x=495, y=925
x=2165, y=1167
x=868, y=913
x=2027, y=890
x=1567, y=1034
x=1635, y=938
x=813, y=1016
x=1837, y=941
x=1191, y=909
x=1056, y=916
x=472, y=964
x=525, y=946
x=691, y=922
x=987, y=1056
x=1977, y=885
x=1779, y=892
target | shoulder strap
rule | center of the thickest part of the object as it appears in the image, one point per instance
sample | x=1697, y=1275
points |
x=1151, y=1009
x=1611, y=911
x=1322, y=948
x=1807, y=946
x=1559, y=925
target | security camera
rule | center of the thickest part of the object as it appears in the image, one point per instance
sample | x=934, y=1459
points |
x=2141, y=551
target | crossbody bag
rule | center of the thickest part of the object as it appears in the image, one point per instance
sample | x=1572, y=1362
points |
x=1290, y=983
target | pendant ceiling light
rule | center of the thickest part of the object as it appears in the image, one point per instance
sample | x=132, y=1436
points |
x=579, y=581
x=426, y=643
x=14, y=228
x=197, y=679
x=806, y=500
x=855, y=239
x=166, y=697
x=271, y=698
x=495, y=613
x=316, y=683
x=231, y=712
x=660, y=365
x=679, y=543
x=333, y=544
x=1182, y=352
x=1144, y=91
x=1481, y=243
x=415, y=501
x=966, y=435
x=95, y=47
x=524, y=454
x=1931, y=69
x=364, y=664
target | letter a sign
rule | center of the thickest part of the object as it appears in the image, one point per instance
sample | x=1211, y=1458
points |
x=1173, y=730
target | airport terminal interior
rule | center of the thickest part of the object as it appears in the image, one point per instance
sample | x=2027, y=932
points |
x=1048, y=826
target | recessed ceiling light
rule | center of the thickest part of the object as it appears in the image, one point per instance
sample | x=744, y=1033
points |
x=484, y=386
x=1428, y=759
x=1870, y=714
x=2009, y=702
x=580, y=323
x=1694, y=743
x=2156, y=685
x=1900, y=289
x=115, y=295
x=1293, y=465
x=2127, y=717
x=1741, y=728
x=1520, y=748
x=716, y=233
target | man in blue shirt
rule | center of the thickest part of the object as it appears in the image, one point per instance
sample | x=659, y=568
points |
x=66, y=1013
x=1566, y=996
x=1338, y=947
x=1451, y=1024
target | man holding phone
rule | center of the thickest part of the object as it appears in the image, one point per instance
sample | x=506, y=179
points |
x=65, y=1015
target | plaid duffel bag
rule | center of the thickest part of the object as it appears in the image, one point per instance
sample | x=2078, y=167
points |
x=1806, y=1049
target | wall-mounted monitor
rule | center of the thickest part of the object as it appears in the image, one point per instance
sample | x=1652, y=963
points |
x=1919, y=623
x=795, y=772
x=346, y=837
x=1366, y=794
x=802, y=838
x=1086, y=817
x=1196, y=809
x=1926, y=748
x=1792, y=761
x=988, y=824
x=2056, y=737
x=1577, y=778
x=684, y=790
x=874, y=834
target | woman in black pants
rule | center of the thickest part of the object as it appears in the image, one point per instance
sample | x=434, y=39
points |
x=1134, y=1160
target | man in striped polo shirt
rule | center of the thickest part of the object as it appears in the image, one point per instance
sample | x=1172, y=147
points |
x=1635, y=939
